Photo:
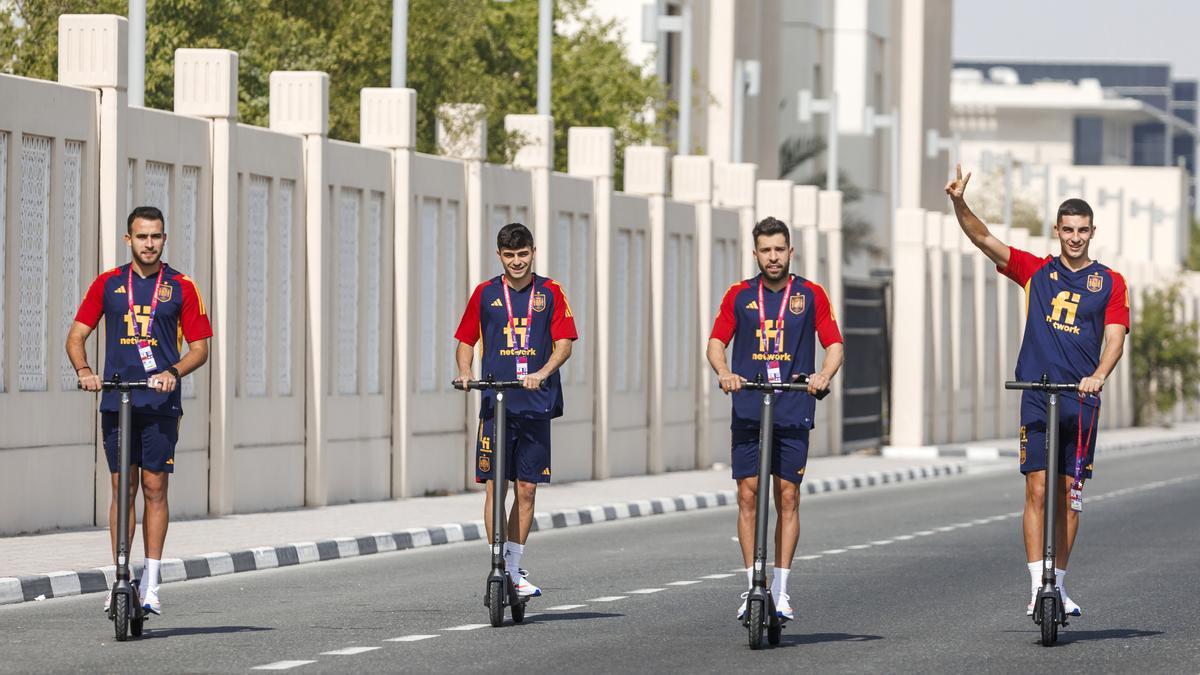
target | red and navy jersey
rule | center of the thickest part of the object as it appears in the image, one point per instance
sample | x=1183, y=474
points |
x=179, y=317
x=1066, y=312
x=485, y=321
x=808, y=317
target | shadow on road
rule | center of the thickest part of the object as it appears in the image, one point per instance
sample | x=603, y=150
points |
x=200, y=630
x=1069, y=635
x=817, y=638
x=570, y=616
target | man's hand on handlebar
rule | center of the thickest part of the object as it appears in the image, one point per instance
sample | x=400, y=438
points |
x=730, y=382
x=533, y=380
x=89, y=381
x=462, y=380
x=817, y=383
x=1091, y=385
x=162, y=382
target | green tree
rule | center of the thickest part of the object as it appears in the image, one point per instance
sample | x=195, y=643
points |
x=1193, y=256
x=1166, y=359
x=460, y=51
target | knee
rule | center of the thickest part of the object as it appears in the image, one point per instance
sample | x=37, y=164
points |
x=747, y=496
x=526, y=491
x=1035, y=493
x=789, y=501
x=154, y=492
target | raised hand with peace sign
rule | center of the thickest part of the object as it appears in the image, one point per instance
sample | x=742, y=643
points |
x=958, y=186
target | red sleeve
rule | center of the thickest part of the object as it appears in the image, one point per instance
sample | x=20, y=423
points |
x=194, y=319
x=826, y=321
x=468, y=327
x=92, y=307
x=562, y=322
x=1117, y=310
x=726, y=321
x=1022, y=265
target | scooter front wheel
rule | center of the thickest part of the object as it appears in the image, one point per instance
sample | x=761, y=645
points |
x=755, y=623
x=774, y=631
x=495, y=603
x=518, y=612
x=121, y=616
x=1049, y=622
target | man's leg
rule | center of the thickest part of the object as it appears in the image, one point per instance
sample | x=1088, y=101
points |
x=521, y=520
x=747, y=504
x=157, y=514
x=112, y=509
x=787, y=526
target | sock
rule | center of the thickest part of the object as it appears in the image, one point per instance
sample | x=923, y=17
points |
x=1059, y=576
x=150, y=576
x=512, y=555
x=1035, y=575
x=749, y=577
x=779, y=582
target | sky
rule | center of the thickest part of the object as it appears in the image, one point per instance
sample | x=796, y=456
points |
x=1108, y=30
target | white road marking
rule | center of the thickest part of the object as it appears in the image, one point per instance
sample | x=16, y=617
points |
x=924, y=533
x=468, y=626
x=883, y=542
x=833, y=551
x=411, y=638
x=349, y=651
x=945, y=528
x=684, y=583
x=717, y=576
x=609, y=598
x=808, y=557
x=282, y=665
x=903, y=537
x=645, y=591
x=557, y=608
x=858, y=547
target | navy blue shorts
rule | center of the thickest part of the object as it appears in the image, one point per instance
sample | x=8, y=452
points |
x=1033, y=434
x=528, y=456
x=789, y=456
x=151, y=441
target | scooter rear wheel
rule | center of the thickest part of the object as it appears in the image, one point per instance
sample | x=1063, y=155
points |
x=1049, y=622
x=755, y=623
x=518, y=612
x=495, y=603
x=121, y=617
x=774, y=631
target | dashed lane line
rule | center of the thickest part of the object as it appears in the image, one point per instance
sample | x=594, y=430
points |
x=411, y=638
x=560, y=608
x=687, y=582
x=609, y=598
x=468, y=626
x=645, y=591
x=282, y=665
x=349, y=651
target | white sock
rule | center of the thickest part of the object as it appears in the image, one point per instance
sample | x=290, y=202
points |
x=749, y=577
x=1059, y=575
x=512, y=555
x=779, y=581
x=150, y=576
x=1035, y=575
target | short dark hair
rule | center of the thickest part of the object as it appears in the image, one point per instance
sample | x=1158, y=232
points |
x=514, y=236
x=1074, y=207
x=145, y=213
x=770, y=226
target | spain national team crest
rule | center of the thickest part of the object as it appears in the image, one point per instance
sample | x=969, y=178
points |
x=1095, y=282
x=796, y=303
x=539, y=302
x=485, y=464
x=164, y=293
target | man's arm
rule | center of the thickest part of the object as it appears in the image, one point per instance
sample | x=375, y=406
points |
x=559, y=356
x=464, y=355
x=835, y=356
x=971, y=225
x=77, y=353
x=196, y=356
x=716, y=359
x=1114, y=344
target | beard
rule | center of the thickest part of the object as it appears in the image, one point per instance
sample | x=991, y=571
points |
x=782, y=274
x=149, y=258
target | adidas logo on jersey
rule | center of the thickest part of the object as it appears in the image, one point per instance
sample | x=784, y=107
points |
x=120, y=289
x=497, y=303
x=753, y=305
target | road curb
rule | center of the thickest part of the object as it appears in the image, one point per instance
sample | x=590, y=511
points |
x=979, y=453
x=37, y=587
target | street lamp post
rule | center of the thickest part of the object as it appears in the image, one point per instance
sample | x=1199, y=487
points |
x=1115, y=196
x=989, y=161
x=137, y=53
x=891, y=122
x=1156, y=214
x=935, y=143
x=745, y=83
x=654, y=23
x=1066, y=187
x=828, y=107
x=399, y=43
x=1028, y=175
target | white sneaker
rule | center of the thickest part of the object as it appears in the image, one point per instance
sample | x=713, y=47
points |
x=107, y=600
x=525, y=589
x=742, y=610
x=1069, y=605
x=1032, y=602
x=783, y=607
x=151, y=603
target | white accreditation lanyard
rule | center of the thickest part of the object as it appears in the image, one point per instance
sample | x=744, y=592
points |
x=774, y=373
x=522, y=360
x=143, y=341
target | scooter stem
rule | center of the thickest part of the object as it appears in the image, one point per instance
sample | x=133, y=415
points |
x=1052, y=490
x=499, y=483
x=763, y=498
x=123, y=488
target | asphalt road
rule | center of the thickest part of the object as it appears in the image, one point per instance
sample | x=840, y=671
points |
x=926, y=577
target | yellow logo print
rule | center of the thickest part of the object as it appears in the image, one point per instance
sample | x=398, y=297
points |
x=497, y=303
x=753, y=305
x=1062, y=312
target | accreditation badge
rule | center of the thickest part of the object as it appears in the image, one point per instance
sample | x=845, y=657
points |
x=774, y=374
x=522, y=367
x=147, y=356
x=1076, y=497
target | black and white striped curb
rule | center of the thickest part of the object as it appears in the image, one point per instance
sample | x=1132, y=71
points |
x=979, y=453
x=61, y=584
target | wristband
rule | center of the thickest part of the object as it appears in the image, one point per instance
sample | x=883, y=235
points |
x=82, y=368
x=172, y=371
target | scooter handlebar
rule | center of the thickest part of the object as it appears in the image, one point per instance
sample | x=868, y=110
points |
x=801, y=384
x=482, y=385
x=1043, y=386
x=120, y=385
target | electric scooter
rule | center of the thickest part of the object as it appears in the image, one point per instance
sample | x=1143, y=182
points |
x=1048, y=610
x=500, y=589
x=125, y=607
x=760, y=606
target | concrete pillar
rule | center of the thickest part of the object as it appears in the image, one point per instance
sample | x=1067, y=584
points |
x=388, y=119
x=771, y=198
x=808, y=238
x=692, y=183
x=734, y=187
x=829, y=217
x=300, y=105
x=206, y=85
x=938, y=388
x=536, y=155
x=590, y=154
x=910, y=365
x=646, y=174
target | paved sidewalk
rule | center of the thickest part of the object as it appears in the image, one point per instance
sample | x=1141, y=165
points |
x=247, y=542
x=1110, y=441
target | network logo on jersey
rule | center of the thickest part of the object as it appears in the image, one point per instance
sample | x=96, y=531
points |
x=774, y=337
x=1063, y=308
x=521, y=328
